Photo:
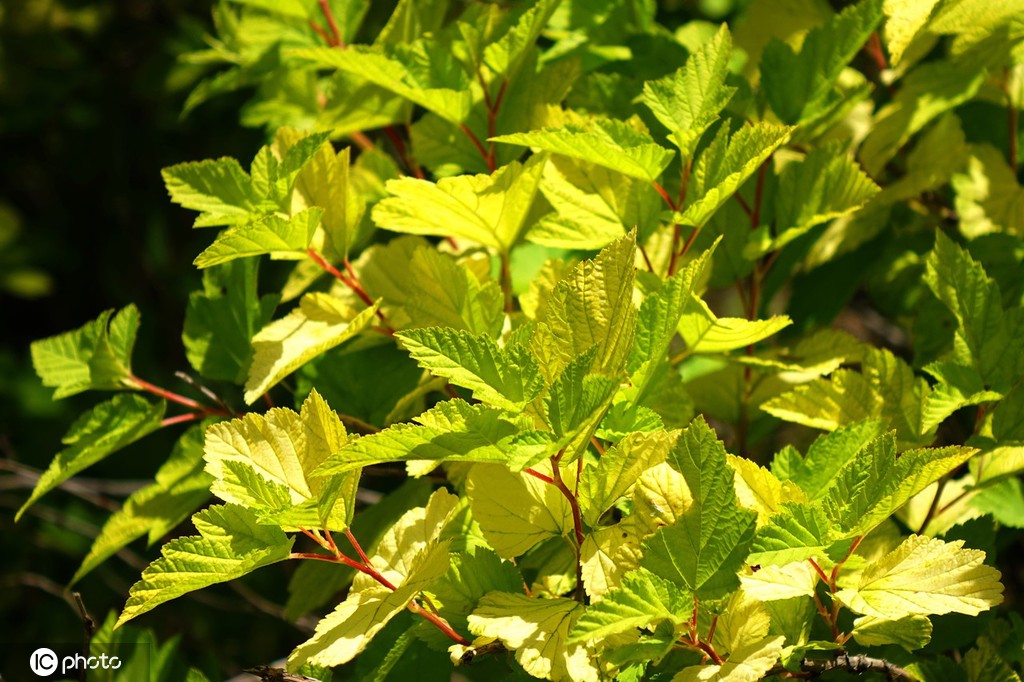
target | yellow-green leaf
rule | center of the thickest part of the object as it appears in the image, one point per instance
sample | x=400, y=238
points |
x=925, y=576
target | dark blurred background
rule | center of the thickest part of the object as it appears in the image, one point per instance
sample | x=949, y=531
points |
x=90, y=100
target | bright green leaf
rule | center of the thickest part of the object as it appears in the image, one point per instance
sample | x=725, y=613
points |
x=181, y=485
x=799, y=84
x=98, y=433
x=925, y=576
x=537, y=630
x=606, y=142
x=319, y=323
x=705, y=548
x=97, y=355
x=688, y=101
x=230, y=544
x=490, y=209
x=516, y=511
x=282, y=239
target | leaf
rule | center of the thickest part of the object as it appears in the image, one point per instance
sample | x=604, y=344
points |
x=218, y=187
x=643, y=599
x=725, y=165
x=416, y=71
x=705, y=548
x=758, y=489
x=799, y=84
x=705, y=332
x=537, y=631
x=773, y=582
x=325, y=180
x=593, y=206
x=505, y=377
x=825, y=185
x=984, y=662
x=283, y=448
x=282, y=239
x=489, y=209
x=886, y=387
x=826, y=457
x=181, y=485
x=876, y=483
x=910, y=632
x=747, y=664
x=606, y=142
x=290, y=8
x=576, y=403
x=799, y=531
x=422, y=287
x=689, y=100
x=985, y=339
x=222, y=318
x=516, y=511
x=927, y=92
x=904, y=21
x=470, y=576
x=411, y=556
x=97, y=355
x=230, y=544
x=924, y=576
x=591, y=307
x=319, y=323
x=988, y=196
x=452, y=431
x=659, y=318
x=314, y=584
x=96, y=434
x=608, y=553
x=617, y=471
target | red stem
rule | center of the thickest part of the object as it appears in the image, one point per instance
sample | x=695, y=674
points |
x=537, y=474
x=356, y=546
x=710, y=651
x=403, y=151
x=479, y=147
x=440, y=624
x=817, y=569
x=755, y=216
x=360, y=138
x=354, y=286
x=664, y=195
x=506, y=281
x=164, y=393
x=321, y=32
x=337, y=41
x=743, y=204
x=874, y=48
x=181, y=418
x=574, y=505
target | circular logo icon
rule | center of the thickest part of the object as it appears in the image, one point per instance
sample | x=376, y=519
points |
x=43, y=661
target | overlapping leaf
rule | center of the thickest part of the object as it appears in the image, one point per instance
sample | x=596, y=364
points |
x=97, y=355
x=96, y=434
x=319, y=323
x=230, y=544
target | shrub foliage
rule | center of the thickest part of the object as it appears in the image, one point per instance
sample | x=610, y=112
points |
x=701, y=346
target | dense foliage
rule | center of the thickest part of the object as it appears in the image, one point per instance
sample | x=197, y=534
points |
x=689, y=352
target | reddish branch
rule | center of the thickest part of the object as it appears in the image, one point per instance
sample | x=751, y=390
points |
x=335, y=38
x=199, y=410
x=352, y=282
x=831, y=615
x=335, y=555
